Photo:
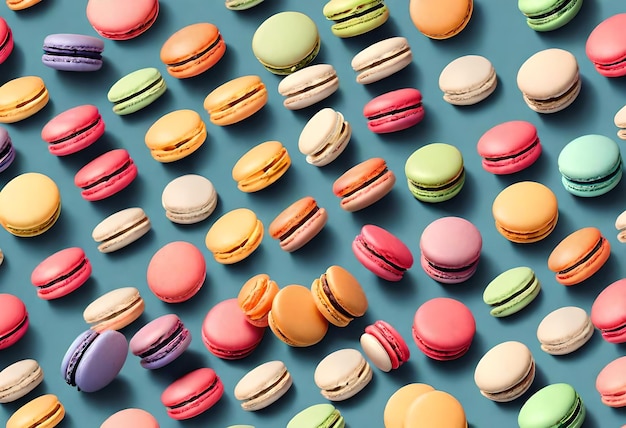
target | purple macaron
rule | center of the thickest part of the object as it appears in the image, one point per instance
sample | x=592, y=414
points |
x=160, y=342
x=94, y=359
x=7, y=152
x=72, y=52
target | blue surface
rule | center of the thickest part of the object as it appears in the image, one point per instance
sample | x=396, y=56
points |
x=497, y=30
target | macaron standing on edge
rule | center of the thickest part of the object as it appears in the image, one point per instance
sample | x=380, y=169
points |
x=339, y=296
x=7, y=151
x=384, y=346
x=255, y=298
x=382, y=253
x=324, y=137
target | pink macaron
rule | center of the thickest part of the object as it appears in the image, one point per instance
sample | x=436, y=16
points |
x=121, y=19
x=6, y=40
x=608, y=312
x=384, y=346
x=131, y=418
x=382, y=253
x=226, y=332
x=509, y=147
x=73, y=130
x=394, y=111
x=160, y=342
x=611, y=383
x=61, y=273
x=13, y=320
x=192, y=394
x=106, y=175
x=606, y=46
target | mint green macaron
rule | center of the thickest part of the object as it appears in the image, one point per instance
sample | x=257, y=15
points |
x=136, y=90
x=511, y=291
x=548, y=15
x=354, y=17
x=435, y=172
x=318, y=416
x=555, y=405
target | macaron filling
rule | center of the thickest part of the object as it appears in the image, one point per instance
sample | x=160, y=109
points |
x=417, y=105
x=37, y=229
x=171, y=341
x=38, y=95
x=16, y=329
x=616, y=170
x=106, y=178
x=127, y=308
x=365, y=184
x=75, y=53
x=402, y=52
x=585, y=259
x=331, y=145
x=74, y=271
x=438, y=353
x=268, y=389
x=78, y=132
x=313, y=85
x=331, y=298
x=522, y=290
x=201, y=396
x=576, y=411
x=301, y=223
x=392, y=267
x=153, y=84
x=199, y=55
x=452, y=184
x=522, y=152
x=79, y=352
x=361, y=10
x=301, y=64
x=548, y=103
x=558, y=9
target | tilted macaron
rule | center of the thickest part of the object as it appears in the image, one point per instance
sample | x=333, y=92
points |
x=549, y=80
x=556, y=404
x=72, y=52
x=382, y=253
x=339, y=296
x=564, y=330
x=130, y=418
x=106, y=175
x=43, y=411
x=21, y=4
x=606, y=46
x=620, y=225
x=121, y=229
x=549, y=15
x=324, y=137
x=382, y=59
x=320, y=415
x=189, y=199
x=114, y=309
x=297, y=224
x=590, y=165
x=435, y=409
x=241, y=4
x=285, y=42
x=399, y=402
x=192, y=50
x=263, y=385
x=435, y=172
x=620, y=122
x=136, y=90
x=18, y=379
x=511, y=291
x=235, y=100
x=192, y=394
x=509, y=147
x=6, y=40
x=21, y=98
x=14, y=320
x=160, y=341
x=234, y=236
x=94, y=360
x=261, y=166
x=355, y=17
x=342, y=374
x=73, y=130
x=364, y=184
x=608, y=314
x=7, y=151
x=308, y=86
x=439, y=19
x=579, y=255
x=175, y=135
x=468, y=80
x=120, y=20
x=505, y=372
x=384, y=346
x=611, y=383
x=255, y=298
x=394, y=111
x=61, y=273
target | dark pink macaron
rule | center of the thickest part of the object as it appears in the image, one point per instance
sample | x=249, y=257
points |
x=394, y=111
x=509, y=147
x=106, y=175
x=382, y=253
x=6, y=40
x=192, y=394
x=608, y=312
x=606, y=46
x=14, y=320
x=73, y=130
x=61, y=273
x=384, y=346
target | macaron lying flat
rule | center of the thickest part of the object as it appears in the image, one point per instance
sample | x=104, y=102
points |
x=73, y=130
x=61, y=273
x=192, y=394
x=308, y=86
x=120, y=20
x=263, y=385
x=435, y=172
x=611, y=383
x=382, y=253
x=556, y=404
x=509, y=147
x=339, y=296
x=342, y=374
x=355, y=17
x=606, y=46
x=382, y=59
x=235, y=100
x=106, y=175
x=121, y=229
x=608, y=314
x=115, y=309
x=18, y=379
x=467, y=80
x=160, y=341
x=14, y=320
x=384, y=346
x=130, y=418
x=394, y=111
x=21, y=98
x=364, y=184
x=620, y=122
x=43, y=411
x=175, y=135
x=564, y=330
x=255, y=298
x=324, y=137
x=6, y=40
x=318, y=415
x=439, y=19
x=297, y=224
x=511, y=291
x=234, y=236
x=579, y=255
x=549, y=15
x=189, y=199
x=136, y=90
x=7, y=151
x=261, y=166
x=72, y=52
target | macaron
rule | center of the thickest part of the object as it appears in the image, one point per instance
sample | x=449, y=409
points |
x=6, y=40
x=608, y=314
x=339, y=296
x=319, y=415
x=160, y=342
x=620, y=122
x=136, y=90
x=442, y=258
x=579, y=255
x=175, y=135
x=509, y=147
x=114, y=309
x=261, y=166
x=18, y=379
x=511, y=291
x=556, y=404
x=73, y=130
x=606, y=46
x=235, y=100
x=21, y=98
x=61, y=273
x=324, y=137
x=255, y=298
x=435, y=409
x=14, y=320
x=590, y=165
x=564, y=330
x=241, y=4
x=505, y=372
x=364, y=184
x=234, y=236
x=192, y=394
x=611, y=383
x=467, y=80
x=382, y=253
x=394, y=111
x=399, y=402
x=382, y=59
x=342, y=374
x=119, y=20
x=7, y=151
x=263, y=385
x=308, y=85
x=549, y=80
x=285, y=42
x=94, y=360
x=435, y=172
x=30, y=204
x=620, y=225
x=226, y=332
x=294, y=317
x=525, y=212
x=384, y=346
x=21, y=4
x=106, y=175
x=176, y=272
x=549, y=15
x=355, y=17
x=298, y=224
x=45, y=411
x=72, y=52
x=443, y=328
x=121, y=229
x=189, y=199
x=440, y=20
x=192, y=50
x=130, y=418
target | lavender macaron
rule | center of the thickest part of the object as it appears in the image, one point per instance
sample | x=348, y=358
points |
x=160, y=342
x=72, y=52
x=7, y=152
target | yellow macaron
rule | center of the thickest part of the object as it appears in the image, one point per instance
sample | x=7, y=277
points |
x=234, y=236
x=21, y=98
x=261, y=166
x=176, y=135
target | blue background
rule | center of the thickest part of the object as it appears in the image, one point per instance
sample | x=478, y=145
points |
x=497, y=30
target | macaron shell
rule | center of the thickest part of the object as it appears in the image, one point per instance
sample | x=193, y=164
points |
x=440, y=19
x=382, y=253
x=349, y=22
x=18, y=379
x=261, y=166
x=586, y=246
x=564, y=330
x=225, y=237
x=121, y=229
x=398, y=404
x=136, y=90
x=7, y=42
x=382, y=59
x=308, y=86
x=620, y=225
x=119, y=20
x=61, y=273
x=394, y=111
x=175, y=135
x=21, y=98
x=7, y=151
x=511, y=291
x=102, y=361
x=154, y=333
x=263, y=385
x=160, y=342
x=197, y=391
x=298, y=224
x=44, y=411
x=352, y=181
x=608, y=314
x=130, y=418
x=467, y=80
x=509, y=147
x=72, y=52
x=115, y=164
x=14, y=320
x=551, y=405
x=255, y=298
x=73, y=130
x=346, y=291
x=435, y=409
x=606, y=46
x=342, y=374
x=192, y=50
x=318, y=415
x=324, y=137
x=620, y=122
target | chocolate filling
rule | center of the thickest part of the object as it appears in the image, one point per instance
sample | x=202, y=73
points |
x=380, y=257
x=6, y=149
x=367, y=183
x=338, y=136
x=16, y=329
x=391, y=340
x=141, y=91
x=62, y=278
x=299, y=224
x=453, y=183
x=563, y=5
x=163, y=343
x=400, y=110
x=198, y=55
x=514, y=155
x=516, y=294
x=575, y=413
x=128, y=229
x=25, y=102
x=70, y=372
x=613, y=173
x=197, y=396
x=449, y=269
x=77, y=133
x=6, y=41
x=316, y=85
x=331, y=298
x=247, y=95
x=108, y=177
x=267, y=389
x=386, y=59
x=589, y=255
x=75, y=53
x=359, y=13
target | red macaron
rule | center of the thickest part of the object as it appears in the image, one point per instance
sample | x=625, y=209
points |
x=73, y=130
x=192, y=394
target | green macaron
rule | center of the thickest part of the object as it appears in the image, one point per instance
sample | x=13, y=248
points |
x=354, y=17
x=548, y=15
x=241, y=4
x=511, y=291
x=435, y=172
x=318, y=416
x=555, y=405
x=136, y=90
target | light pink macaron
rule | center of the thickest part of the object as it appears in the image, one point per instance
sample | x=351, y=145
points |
x=131, y=418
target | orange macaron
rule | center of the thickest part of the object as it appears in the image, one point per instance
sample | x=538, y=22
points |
x=297, y=224
x=440, y=19
x=236, y=100
x=255, y=298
